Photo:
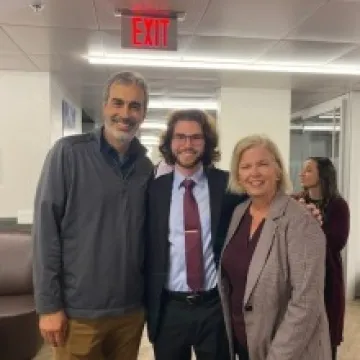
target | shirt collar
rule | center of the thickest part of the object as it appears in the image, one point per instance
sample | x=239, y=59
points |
x=135, y=147
x=198, y=177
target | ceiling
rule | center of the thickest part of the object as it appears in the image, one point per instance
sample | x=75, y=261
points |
x=322, y=33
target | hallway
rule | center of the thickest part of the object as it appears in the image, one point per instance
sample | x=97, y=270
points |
x=350, y=349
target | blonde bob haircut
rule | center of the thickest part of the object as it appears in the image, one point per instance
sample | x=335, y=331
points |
x=284, y=184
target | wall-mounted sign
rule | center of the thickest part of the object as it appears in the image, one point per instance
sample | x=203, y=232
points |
x=147, y=32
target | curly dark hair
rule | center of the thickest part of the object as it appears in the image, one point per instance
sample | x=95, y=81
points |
x=211, y=151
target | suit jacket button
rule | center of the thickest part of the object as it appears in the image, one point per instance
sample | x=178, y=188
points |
x=248, y=308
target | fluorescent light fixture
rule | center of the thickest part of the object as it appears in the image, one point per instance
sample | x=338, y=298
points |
x=149, y=138
x=156, y=61
x=328, y=116
x=315, y=127
x=149, y=143
x=183, y=104
x=153, y=126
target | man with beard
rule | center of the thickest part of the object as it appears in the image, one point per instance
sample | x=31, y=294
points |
x=187, y=216
x=89, y=232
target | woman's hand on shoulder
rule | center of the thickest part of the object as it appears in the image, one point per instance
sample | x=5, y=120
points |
x=315, y=212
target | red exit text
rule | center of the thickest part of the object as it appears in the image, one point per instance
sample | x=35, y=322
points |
x=150, y=32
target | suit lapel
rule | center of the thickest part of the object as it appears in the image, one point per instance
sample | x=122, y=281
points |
x=235, y=221
x=260, y=255
x=265, y=243
x=164, y=198
x=216, y=197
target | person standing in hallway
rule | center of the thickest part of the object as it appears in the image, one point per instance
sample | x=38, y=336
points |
x=187, y=214
x=318, y=178
x=89, y=219
x=272, y=271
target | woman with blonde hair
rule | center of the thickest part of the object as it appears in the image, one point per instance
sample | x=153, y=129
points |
x=272, y=265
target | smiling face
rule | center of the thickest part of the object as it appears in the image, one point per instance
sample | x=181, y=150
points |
x=187, y=144
x=258, y=172
x=123, y=113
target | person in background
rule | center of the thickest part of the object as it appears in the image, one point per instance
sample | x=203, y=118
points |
x=89, y=220
x=272, y=268
x=318, y=178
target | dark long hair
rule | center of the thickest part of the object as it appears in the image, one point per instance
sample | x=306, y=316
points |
x=327, y=179
x=211, y=151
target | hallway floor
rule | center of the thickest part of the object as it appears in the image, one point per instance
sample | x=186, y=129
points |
x=350, y=349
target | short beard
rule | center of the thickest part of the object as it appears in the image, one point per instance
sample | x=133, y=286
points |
x=196, y=162
x=125, y=138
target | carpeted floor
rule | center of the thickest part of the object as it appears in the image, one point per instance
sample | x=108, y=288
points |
x=350, y=350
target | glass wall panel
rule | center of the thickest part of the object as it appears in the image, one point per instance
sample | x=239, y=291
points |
x=315, y=136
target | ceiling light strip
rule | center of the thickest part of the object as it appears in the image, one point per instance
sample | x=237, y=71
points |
x=207, y=64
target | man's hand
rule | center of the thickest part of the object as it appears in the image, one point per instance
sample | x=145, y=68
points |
x=53, y=328
x=315, y=212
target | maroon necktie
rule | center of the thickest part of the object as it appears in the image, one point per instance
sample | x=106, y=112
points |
x=193, y=243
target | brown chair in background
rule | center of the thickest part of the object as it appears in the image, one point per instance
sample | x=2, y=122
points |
x=19, y=334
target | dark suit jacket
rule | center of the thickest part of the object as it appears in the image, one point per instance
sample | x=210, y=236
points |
x=157, y=247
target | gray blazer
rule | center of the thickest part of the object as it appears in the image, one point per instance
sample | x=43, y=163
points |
x=284, y=308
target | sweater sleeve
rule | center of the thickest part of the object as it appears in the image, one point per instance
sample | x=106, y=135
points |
x=49, y=208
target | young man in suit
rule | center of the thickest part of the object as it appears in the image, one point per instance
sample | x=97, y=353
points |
x=188, y=215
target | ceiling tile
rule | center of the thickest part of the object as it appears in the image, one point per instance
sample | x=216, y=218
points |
x=337, y=21
x=304, y=52
x=255, y=18
x=7, y=46
x=32, y=40
x=245, y=50
x=41, y=40
x=321, y=82
x=194, y=11
x=47, y=62
x=16, y=62
x=64, y=13
x=303, y=100
x=352, y=58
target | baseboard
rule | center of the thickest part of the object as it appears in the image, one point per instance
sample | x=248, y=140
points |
x=10, y=225
x=25, y=217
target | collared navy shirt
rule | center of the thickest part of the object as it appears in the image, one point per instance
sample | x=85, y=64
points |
x=120, y=162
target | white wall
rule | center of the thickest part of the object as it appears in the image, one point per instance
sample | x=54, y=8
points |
x=351, y=185
x=253, y=111
x=30, y=120
x=58, y=94
x=24, y=137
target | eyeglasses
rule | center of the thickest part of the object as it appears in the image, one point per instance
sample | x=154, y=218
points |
x=194, y=139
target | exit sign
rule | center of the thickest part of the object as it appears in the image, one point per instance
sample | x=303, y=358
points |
x=147, y=32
